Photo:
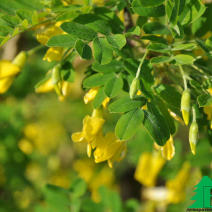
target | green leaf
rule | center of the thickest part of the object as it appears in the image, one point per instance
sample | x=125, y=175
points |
x=170, y=96
x=79, y=30
x=161, y=59
x=83, y=50
x=110, y=200
x=183, y=46
x=155, y=28
x=144, y=11
x=62, y=41
x=113, y=86
x=159, y=47
x=114, y=66
x=156, y=125
x=134, y=31
x=67, y=72
x=100, y=97
x=94, y=22
x=147, y=79
x=128, y=124
x=208, y=42
x=164, y=112
x=192, y=11
x=103, y=53
x=89, y=206
x=173, y=10
x=204, y=100
x=184, y=59
x=78, y=187
x=151, y=3
x=57, y=197
x=96, y=80
x=118, y=41
x=125, y=104
x=154, y=38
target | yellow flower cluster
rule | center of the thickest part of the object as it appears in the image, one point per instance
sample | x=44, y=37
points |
x=40, y=137
x=94, y=176
x=9, y=70
x=149, y=166
x=53, y=53
x=173, y=193
x=107, y=148
x=48, y=85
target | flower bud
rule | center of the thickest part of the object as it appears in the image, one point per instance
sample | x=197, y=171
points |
x=20, y=59
x=134, y=87
x=185, y=105
x=193, y=134
x=56, y=79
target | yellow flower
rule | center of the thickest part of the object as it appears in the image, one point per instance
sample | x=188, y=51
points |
x=53, y=54
x=148, y=167
x=65, y=90
x=109, y=148
x=47, y=33
x=168, y=150
x=176, y=187
x=121, y=16
x=99, y=2
x=61, y=179
x=25, y=146
x=91, y=127
x=45, y=87
x=23, y=198
x=5, y=84
x=94, y=176
x=210, y=91
x=90, y=95
x=176, y=117
x=85, y=168
x=8, y=69
x=105, y=102
x=208, y=111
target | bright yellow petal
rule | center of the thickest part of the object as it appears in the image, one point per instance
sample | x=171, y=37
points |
x=46, y=34
x=90, y=95
x=77, y=137
x=92, y=126
x=45, y=87
x=177, y=185
x=105, y=102
x=8, y=69
x=5, y=83
x=53, y=54
x=148, y=168
x=168, y=150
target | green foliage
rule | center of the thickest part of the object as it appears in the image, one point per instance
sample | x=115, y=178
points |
x=165, y=46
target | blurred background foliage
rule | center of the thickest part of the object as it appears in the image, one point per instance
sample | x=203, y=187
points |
x=42, y=171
